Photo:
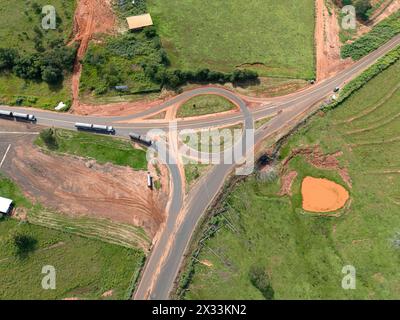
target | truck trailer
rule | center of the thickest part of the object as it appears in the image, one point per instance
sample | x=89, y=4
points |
x=24, y=116
x=142, y=140
x=95, y=128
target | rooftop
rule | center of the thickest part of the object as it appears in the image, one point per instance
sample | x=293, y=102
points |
x=5, y=205
x=137, y=22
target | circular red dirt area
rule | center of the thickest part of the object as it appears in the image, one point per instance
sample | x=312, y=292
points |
x=322, y=195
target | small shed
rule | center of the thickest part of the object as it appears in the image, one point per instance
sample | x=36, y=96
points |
x=5, y=205
x=138, y=22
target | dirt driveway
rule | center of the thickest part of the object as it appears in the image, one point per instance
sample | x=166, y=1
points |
x=80, y=187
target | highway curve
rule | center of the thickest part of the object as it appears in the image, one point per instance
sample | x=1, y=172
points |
x=202, y=196
x=164, y=262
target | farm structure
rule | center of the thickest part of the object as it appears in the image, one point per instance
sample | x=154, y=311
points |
x=5, y=206
x=139, y=22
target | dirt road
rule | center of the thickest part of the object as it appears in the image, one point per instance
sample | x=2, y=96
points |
x=328, y=43
x=91, y=17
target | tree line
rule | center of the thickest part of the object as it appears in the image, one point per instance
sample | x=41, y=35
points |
x=362, y=7
x=48, y=66
x=173, y=79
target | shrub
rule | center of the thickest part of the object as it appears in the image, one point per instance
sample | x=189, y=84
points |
x=7, y=58
x=371, y=41
x=48, y=136
x=23, y=244
x=259, y=278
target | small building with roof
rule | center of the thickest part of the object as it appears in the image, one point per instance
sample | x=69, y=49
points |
x=5, y=205
x=140, y=21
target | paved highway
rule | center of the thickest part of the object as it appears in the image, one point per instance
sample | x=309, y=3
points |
x=202, y=196
x=166, y=257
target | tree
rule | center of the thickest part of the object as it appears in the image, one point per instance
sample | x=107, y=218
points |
x=259, y=278
x=28, y=67
x=7, y=58
x=23, y=244
x=362, y=8
x=52, y=74
x=49, y=138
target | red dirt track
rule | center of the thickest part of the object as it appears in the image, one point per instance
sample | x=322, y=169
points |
x=91, y=17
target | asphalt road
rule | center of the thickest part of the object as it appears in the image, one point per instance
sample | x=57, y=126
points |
x=166, y=257
x=206, y=191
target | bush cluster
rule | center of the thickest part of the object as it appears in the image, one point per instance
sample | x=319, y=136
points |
x=371, y=41
x=48, y=66
x=363, y=7
x=175, y=78
x=356, y=84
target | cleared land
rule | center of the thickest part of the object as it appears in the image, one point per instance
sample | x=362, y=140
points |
x=203, y=105
x=85, y=269
x=270, y=37
x=82, y=187
x=20, y=28
x=301, y=255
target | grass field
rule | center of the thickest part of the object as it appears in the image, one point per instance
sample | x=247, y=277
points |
x=102, y=148
x=20, y=19
x=117, y=61
x=270, y=37
x=85, y=268
x=303, y=255
x=20, y=28
x=17, y=91
x=203, y=105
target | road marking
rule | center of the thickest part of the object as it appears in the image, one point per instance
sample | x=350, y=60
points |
x=4, y=157
x=16, y=132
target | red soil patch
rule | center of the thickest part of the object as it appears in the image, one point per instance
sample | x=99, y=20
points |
x=328, y=43
x=318, y=159
x=322, y=195
x=78, y=187
x=91, y=17
x=116, y=109
x=287, y=182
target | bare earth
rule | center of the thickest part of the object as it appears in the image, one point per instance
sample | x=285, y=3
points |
x=328, y=43
x=81, y=187
x=91, y=17
x=322, y=195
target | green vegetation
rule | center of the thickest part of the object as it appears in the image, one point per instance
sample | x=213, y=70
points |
x=193, y=172
x=85, y=268
x=120, y=61
x=222, y=38
x=363, y=8
x=357, y=83
x=213, y=140
x=135, y=63
x=103, y=149
x=371, y=41
x=203, y=105
x=20, y=26
x=34, y=62
x=100, y=229
x=302, y=256
x=19, y=92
